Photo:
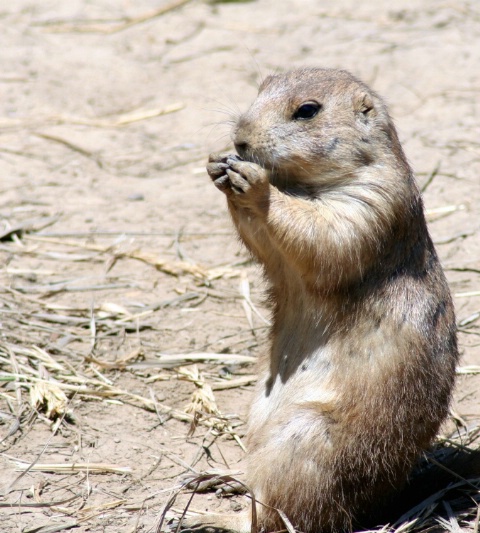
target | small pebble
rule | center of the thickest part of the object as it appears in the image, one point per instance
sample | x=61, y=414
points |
x=136, y=197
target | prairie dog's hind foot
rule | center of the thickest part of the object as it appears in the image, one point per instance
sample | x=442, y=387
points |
x=212, y=523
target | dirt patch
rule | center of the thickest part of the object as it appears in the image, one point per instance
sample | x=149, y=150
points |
x=118, y=253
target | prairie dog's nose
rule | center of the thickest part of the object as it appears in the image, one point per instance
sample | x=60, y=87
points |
x=241, y=147
x=242, y=134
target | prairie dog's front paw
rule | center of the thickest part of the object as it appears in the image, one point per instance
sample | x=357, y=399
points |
x=250, y=186
x=217, y=167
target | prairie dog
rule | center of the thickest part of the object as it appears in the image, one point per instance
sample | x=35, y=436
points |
x=363, y=349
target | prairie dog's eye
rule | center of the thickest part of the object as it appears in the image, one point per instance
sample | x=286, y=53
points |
x=307, y=111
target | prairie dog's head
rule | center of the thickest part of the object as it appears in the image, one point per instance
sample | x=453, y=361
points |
x=310, y=125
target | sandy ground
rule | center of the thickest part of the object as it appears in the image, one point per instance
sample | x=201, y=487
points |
x=116, y=248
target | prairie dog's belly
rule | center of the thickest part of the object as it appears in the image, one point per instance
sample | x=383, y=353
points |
x=309, y=384
x=314, y=376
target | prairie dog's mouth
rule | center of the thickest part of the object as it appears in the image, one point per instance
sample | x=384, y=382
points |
x=246, y=153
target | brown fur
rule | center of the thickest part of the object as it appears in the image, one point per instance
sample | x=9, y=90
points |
x=363, y=348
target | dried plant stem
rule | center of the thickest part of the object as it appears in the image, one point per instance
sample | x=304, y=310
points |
x=71, y=468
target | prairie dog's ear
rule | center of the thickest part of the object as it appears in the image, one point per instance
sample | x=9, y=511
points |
x=364, y=106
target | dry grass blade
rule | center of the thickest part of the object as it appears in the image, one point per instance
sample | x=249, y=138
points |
x=112, y=309
x=103, y=390
x=89, y=512
x=223, y=272
x=71, y=146
x=451, y=524
x=203, y=406
x=127, y=118
x=452, y=473
x=44, y=504
x=477, y=520
x=440, y=212
x=234, y=383
x=469, y=319
x=49, y=395
x=466, y=294
x=431, y=177
x=111, y=29
x=286, y=521
x=119, y=364
x=53, y=288
x=173, y=268
x=33, y=225
x=53, y=529
x=424, y=509
x=169, y=505
x=35, y=352
x=53, y=392
x=469, y=369
x=119, y=121
x=72, y=468
x=202, y=400
x=406, y=527
x=170, y=361
x=247, y=303
x=245, y=292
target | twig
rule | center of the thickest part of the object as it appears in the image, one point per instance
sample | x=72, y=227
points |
x=71, y=468
x=477, y=520
x=170, y=361
x=234, y=383
x=38, y=505
x=113, y=233
x=28, y=225
x=470, y=369
x=71, y=146
x=64, y=287
x=97, y=28
x=441, y=212
x=53, y=529
x=123, y=119
x=466, y=294
x=456, y=237
x=431, y=177
x=119, y=364
x=92, y=512
x=174, y=268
